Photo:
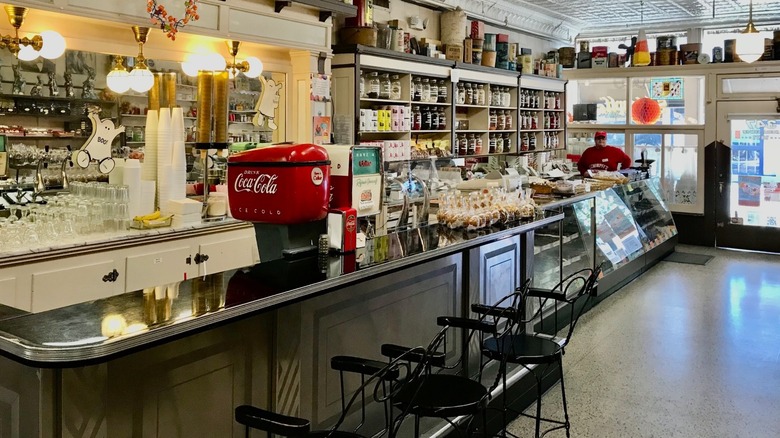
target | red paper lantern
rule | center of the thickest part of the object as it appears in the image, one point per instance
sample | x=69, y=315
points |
x=645, y=111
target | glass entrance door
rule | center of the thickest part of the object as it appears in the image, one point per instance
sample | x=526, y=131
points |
x=749, y=201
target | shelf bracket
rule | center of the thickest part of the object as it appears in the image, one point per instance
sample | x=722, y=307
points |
x=279, y=5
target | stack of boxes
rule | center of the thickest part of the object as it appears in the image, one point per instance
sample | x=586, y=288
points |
x=386, y=118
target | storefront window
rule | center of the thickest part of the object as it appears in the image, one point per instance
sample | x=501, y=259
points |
x=601, y=101
x=578, y=141
x=667, y=101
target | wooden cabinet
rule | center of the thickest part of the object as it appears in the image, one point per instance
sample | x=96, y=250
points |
x=78, y=277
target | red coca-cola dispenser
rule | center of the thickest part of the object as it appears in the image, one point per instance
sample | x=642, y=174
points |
x=280, y=184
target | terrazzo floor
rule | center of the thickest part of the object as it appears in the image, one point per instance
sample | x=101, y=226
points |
x=682, y=351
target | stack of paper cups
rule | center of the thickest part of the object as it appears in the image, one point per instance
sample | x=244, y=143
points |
x=131, y=177
x=115, y=177
x=164, y=151
x=149, y=169
x=147, y=196
x=177, y=124
x=179, y=166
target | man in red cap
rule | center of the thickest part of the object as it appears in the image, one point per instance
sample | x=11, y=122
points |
x=602, y=157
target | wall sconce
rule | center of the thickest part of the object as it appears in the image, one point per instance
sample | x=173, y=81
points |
x=750, y=43
x=141, y=78
x=48, y=44
x=251, y=66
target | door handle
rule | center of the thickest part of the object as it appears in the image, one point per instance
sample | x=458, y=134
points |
x=111, y=276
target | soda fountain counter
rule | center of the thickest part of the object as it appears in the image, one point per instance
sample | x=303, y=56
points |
x=142, y=362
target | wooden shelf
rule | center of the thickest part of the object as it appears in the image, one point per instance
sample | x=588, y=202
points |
x=431, y=131
x=385, y=101
x=472, y=106
x=55, y=98
x=431, y=103
x=326, y=7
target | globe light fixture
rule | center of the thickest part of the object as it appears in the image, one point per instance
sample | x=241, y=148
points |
x=118, y=79
x=48, y=44
x=141, y=78
x=750, y=43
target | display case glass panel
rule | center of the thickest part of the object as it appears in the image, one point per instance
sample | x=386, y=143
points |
x=618, y=238
x=680, y=169
x=648, y=210
x=667, y=100
x=600, y=101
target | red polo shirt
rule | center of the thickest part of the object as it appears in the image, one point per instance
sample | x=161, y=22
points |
x=606, y=158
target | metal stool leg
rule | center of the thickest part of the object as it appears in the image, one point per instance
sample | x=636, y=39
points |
x=567, y=425
x=538, y=404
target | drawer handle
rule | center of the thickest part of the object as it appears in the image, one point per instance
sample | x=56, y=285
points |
x=111, y=276
x=201, y=258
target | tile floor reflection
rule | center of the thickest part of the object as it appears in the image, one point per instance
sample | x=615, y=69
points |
x=683, y=351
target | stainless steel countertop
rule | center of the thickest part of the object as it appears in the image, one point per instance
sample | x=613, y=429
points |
x=98, y=330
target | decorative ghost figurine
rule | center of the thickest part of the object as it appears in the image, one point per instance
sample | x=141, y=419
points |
x=267, y=104
x=98, y=145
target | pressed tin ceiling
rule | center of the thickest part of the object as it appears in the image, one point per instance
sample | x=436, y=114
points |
x=566, y=19
x=593, y=17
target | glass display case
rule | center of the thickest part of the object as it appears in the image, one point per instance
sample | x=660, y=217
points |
x=628, y=226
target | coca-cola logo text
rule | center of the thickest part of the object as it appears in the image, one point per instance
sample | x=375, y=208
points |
x=261, y=183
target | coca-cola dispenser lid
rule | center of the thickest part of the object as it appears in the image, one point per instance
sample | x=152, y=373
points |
x=283, y=153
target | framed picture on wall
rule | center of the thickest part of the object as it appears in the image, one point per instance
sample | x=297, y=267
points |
x=80, y=63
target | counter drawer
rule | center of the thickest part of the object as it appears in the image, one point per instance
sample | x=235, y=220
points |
x=157, y=268
x=225, y=255
x=77, y=283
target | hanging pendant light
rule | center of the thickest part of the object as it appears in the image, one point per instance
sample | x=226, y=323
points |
x=141, y=78
x=750, y=43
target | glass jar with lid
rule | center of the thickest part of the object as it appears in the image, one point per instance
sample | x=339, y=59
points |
x=471, y=145
x=469, y=94
x=395, y=87
x=480, y=100
x=461, y=93
x=426, y=90
x=492, y=144
x=384, y=86
x=442, y=119
x=492, y=120
x=416, y=118
x=501, y=120
x=508, y=122
x=373, y=85
x=416, y=90
x=462, y=144
x=507, y=142
x=442, y=96
x=499, y=143
x=478, y=144
x=362, y=85
x=495, y=96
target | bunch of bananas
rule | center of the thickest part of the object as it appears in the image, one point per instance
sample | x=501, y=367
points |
x=153, y=219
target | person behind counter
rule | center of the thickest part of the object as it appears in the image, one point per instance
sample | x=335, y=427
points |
x=602, y=156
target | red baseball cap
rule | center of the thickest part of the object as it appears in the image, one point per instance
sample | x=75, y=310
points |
x=600, y=134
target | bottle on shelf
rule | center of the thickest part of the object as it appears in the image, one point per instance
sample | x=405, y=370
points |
x=492, y=144
x=471, y=145
x=462, y=144
x=416, y=118
x=434, y=118
x=362, y=85
x=384, y=86
x=481, y=94
x=469, y=94
x=442, y=96
x=461, y=93
x=501, y=120
x=507, y=142
x=426, y=90
x=532, y=142
x=417, y=89
x=373, y=85
x=499, y=143
x=395, y=87
x=442, y=119
x=492, y=120
x=508, y=121
x=524, y=140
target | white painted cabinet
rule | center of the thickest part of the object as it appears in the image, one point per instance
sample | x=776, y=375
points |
x=74, y=278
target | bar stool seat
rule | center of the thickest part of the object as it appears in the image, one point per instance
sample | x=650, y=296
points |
x=522, y=348
x=284, y=425
x=441, y=395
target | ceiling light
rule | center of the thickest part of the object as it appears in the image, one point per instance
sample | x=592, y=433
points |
x=141, y=78
x=750, y=43
x=48, y=44
x=118, y=79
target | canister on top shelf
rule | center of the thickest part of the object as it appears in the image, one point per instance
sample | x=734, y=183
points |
x=600, y=52
x=567, y=56
x=513, y=52
x=730, y=51
x=489, y=58
x=477, y=43
x=690, y=52
x=476, y=56
x=584, y=60
x=490, y=42
x=527, y=62
x=612, y=60
x=153, y=96
x=502, y=52
x=454, y=52
x=467, y=50
x=477, y=30
x=664, y=56
x=365, y=36
x=717, y=54
x=666, y=42
x=453, y=26
x=768, y=49
x=585, y=46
